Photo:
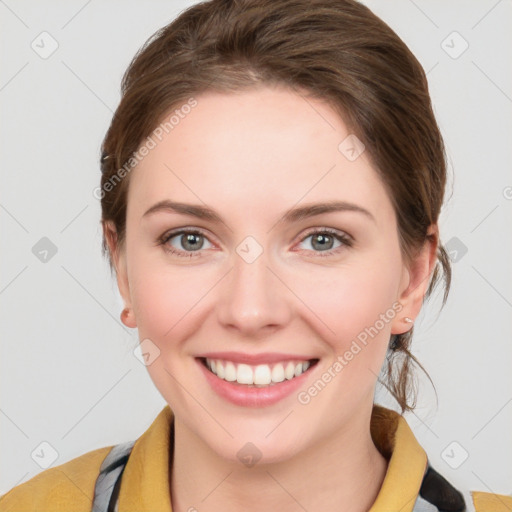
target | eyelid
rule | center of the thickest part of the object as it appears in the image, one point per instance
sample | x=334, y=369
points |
x=335, y=232
x=181, y=231
x=343, y=237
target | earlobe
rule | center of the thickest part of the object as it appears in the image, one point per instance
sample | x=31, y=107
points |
x=127, y=317
x=417, y=278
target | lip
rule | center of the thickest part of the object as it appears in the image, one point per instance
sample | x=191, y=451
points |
x=245, y=396
x=255, y=359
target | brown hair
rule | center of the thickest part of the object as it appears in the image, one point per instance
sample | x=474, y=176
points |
x=335, y=50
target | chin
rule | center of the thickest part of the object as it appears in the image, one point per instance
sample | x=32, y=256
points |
x=255, y=450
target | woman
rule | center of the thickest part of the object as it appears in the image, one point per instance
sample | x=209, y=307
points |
x=271, y=187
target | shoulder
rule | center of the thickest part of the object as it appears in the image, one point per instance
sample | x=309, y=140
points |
x=437, y=494
x=490, y=502
x=68, y=487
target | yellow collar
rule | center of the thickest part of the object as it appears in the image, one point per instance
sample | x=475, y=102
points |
x=407, y=461
x=145, y=482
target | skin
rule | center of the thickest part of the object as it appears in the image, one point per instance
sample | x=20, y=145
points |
x=250, y=156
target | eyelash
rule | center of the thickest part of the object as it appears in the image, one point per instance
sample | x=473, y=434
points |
x=344, y=239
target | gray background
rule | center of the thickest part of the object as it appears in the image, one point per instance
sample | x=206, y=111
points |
x=68, y=373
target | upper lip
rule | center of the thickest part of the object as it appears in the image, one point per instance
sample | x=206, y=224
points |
x=254, y=359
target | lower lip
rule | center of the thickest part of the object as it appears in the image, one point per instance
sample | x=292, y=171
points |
x=240, y=394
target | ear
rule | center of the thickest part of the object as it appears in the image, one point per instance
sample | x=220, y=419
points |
x=415, y=281
x=118, y=256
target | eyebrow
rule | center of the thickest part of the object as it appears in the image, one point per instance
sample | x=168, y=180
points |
x=292, y=215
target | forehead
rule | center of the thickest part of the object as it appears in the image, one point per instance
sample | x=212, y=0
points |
x=250, y=150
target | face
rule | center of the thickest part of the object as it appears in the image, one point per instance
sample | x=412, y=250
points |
x=265, y=278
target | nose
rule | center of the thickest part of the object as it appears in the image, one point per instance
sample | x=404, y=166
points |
x=253, y=299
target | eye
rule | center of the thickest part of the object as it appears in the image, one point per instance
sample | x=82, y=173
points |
x=184, y=243
x=323, y=240
x=189, y=243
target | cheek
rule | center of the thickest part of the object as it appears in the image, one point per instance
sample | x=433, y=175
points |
x=163, y=295
x=354, y=307
x=350, y=298
x=167, y=304
x=166, y=300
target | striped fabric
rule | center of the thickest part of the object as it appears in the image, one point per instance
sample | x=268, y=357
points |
x=106, y=491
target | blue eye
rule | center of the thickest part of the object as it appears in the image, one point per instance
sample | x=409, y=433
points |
x=192, y=242
x=323, y=240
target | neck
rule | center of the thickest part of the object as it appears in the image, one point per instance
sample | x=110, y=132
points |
x=344, y=471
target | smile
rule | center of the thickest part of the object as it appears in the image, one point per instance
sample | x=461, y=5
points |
x=261, y=375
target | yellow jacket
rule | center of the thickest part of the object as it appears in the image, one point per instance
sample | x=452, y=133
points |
x=410, y=484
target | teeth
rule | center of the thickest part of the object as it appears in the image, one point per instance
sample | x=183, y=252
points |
x=289, y=373
x=244, y=374
x=230, y=372
x=260, y=375
x=278, y=373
